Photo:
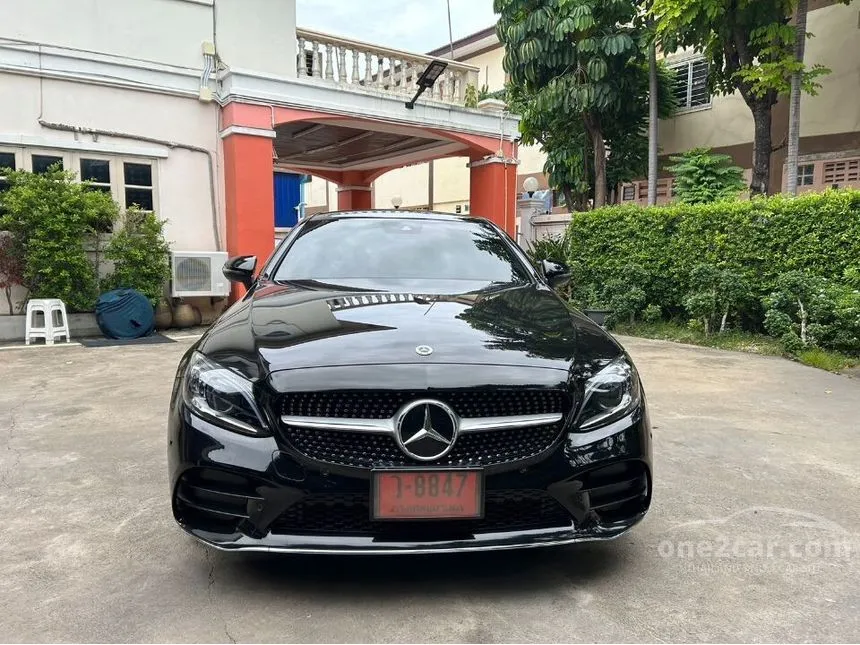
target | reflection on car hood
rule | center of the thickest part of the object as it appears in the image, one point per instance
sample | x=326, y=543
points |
x=280, y=326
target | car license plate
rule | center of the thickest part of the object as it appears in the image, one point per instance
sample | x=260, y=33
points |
x=427, y=494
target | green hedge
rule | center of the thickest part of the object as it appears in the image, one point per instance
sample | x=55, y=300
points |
x=787, y=266
x=761, y=239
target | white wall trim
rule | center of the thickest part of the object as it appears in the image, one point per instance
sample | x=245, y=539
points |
x=695, y=108
x=242, y=129
x=827, y=156
x=99, y=69
x=340, y=189
x=310, y=94
x=487, y=161
x=35, y=141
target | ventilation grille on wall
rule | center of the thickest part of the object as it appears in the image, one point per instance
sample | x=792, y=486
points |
x=841, y=172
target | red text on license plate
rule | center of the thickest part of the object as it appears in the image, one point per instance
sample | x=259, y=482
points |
x=427, y=494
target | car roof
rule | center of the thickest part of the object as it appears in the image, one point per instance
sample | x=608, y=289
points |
x=394, y=214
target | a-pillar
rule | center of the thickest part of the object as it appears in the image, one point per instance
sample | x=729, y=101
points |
x=248, y=190
x=493, y=189
x=354, y=192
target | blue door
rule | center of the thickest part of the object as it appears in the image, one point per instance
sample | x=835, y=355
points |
x=288, y=194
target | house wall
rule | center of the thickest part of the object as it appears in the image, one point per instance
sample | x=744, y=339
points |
x=271, y=49
x=135, y=29
x=113, y=65
x=451, y=175
x=182, y=191
x=410, y=183
x=836, y=45
x=127, y=28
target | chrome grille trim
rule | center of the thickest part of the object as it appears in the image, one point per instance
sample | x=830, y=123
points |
x=386, y=426
x=479, y=424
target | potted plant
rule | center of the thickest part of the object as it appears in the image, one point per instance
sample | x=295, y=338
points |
x=595, y=307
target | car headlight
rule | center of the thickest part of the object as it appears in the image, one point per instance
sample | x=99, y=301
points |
x=610, y=394
x=222, y=396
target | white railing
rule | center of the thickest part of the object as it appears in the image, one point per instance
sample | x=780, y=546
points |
x=363, y=65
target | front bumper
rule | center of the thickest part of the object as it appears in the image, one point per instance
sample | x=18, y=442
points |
x=238, y=493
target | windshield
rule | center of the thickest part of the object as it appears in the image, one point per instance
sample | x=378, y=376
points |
x=440, y=256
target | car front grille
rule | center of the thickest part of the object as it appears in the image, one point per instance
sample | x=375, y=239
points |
x=383, y=404
x=349, y=515
x=364, y=450
x=476, y=449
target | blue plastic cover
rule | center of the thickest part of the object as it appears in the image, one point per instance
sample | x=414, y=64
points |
x=125, y=314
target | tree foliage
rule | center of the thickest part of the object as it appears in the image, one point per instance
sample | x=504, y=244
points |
x=702, y=177
x=716, y=294
x=750, y=47
x=579, y=78
x=54, y=227
x=140, y=255
x=52, y=220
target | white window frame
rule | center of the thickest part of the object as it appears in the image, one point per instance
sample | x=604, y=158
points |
x=688, y=63
x=120, y=177
x=28, y=153
x=18, y=157
x=72, y=162
x=98, y=157
x=801, y=175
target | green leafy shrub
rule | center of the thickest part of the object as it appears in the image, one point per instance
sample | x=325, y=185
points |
x=626, y=294
x=702, y=177
x=551, y=247
x=52, y=220
x=716, y=294
x=652, y=314
x=756, y=242
x=140, y=255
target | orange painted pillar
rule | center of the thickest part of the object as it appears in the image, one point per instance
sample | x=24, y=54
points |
x=493, y=191
x=353, y=198
x=249, y=193
x=353, y=192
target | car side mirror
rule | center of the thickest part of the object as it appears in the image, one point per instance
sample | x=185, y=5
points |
x=241, y=269
x=556, y=274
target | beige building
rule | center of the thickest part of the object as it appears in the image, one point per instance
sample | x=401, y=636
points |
x=441, y=185
x=830, y=123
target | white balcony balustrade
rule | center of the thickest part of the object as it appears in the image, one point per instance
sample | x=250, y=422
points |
x=357, y=65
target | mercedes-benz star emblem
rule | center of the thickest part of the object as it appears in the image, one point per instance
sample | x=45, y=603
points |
x=426, y=429
x=424, y=350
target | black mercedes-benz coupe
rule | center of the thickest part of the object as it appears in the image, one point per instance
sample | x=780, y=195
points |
x=405, y=382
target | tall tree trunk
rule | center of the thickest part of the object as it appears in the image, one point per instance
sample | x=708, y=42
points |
x=595, y=131
x=762, y=146
x=653, y=118
x=804, y=321
x=568, y=199
x=794, y=104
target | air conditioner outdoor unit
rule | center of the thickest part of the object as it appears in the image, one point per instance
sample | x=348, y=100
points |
x=196, y=273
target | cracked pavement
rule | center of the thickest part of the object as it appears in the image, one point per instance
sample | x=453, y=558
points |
x=752, y=536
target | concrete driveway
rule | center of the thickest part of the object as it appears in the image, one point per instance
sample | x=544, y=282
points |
x=753, y=534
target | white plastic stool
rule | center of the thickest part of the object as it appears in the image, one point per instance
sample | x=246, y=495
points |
x=56, y=322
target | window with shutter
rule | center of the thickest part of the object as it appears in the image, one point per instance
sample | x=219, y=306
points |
x=691, y=84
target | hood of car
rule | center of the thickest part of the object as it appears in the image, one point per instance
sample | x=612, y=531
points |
x=284, y=326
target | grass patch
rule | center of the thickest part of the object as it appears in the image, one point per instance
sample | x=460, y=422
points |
x=738, y=341
x=830, y=361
